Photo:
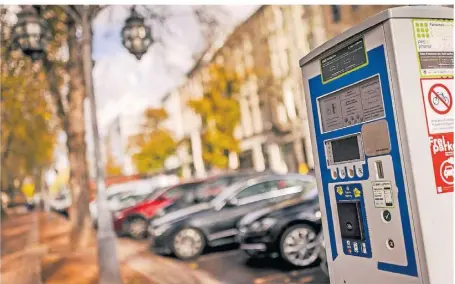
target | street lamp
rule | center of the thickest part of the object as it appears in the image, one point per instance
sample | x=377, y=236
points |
x=136, y=36
x=31, y=33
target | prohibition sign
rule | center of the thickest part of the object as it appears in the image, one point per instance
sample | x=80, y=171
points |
x=440, y=100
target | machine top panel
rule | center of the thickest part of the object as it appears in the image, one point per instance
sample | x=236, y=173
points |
x=405, y=12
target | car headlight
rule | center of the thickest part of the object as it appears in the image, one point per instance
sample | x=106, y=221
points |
x=158, y=231
x=262, y=225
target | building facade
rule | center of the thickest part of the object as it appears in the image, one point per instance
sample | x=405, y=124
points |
x=274, y=130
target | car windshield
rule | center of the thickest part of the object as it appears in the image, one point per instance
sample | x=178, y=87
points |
x=225, y=194
x=211, y=189
x=175, y=192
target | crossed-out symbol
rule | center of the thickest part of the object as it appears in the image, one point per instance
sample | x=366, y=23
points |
x=440, y=100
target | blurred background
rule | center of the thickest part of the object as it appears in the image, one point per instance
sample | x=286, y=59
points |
x=188, y=99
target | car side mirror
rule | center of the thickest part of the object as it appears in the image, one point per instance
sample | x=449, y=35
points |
x=233, y=202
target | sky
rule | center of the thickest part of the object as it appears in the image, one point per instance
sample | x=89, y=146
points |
x=125, y=86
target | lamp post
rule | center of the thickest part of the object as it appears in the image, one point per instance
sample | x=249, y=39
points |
x=31, y=34
x=136, y=36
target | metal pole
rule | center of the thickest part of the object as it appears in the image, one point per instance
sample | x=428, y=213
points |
x=109, y=266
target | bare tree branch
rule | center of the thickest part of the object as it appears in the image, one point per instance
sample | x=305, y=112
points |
x=94, y=11
x=72, y=12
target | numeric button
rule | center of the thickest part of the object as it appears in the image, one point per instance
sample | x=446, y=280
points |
x=334, y=173
x=359, y=171
x=351, y=171
x=342, y=172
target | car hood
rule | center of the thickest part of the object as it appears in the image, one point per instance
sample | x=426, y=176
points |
x=158, y=203
x=182, y=213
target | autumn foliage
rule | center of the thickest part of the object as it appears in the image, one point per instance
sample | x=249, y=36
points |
x=28, y=127
x=220, y=114
x=154, y=144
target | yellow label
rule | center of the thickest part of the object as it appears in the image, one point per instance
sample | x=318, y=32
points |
x=357, y=192
x=28, y=189
x=340, y=190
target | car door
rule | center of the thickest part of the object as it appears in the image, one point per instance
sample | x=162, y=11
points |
x=223, y=222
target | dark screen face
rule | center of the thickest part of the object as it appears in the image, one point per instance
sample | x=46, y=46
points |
x=346, y=149
x=350, y=224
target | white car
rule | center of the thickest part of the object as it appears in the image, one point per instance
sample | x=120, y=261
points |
x=117, y=194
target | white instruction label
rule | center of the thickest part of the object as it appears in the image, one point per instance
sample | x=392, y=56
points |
x=382, y=194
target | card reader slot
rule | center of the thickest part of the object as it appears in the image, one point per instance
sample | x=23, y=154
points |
x=379, y=169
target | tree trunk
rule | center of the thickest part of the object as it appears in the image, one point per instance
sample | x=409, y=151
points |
x=75, y=131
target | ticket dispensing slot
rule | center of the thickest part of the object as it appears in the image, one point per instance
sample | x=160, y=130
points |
x=349, y=214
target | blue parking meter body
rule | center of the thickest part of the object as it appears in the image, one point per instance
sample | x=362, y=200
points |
x=379, y=102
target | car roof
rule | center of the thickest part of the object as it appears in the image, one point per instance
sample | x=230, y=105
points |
x=260, y=178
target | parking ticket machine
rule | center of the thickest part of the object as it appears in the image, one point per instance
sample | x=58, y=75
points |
x=380, y=106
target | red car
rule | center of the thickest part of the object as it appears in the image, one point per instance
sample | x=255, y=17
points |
x=133, y=221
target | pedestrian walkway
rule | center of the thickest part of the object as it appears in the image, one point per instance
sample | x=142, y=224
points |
x=21, y=252
x=34, y=250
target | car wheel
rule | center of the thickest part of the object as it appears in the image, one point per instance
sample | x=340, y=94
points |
x=188, y=243
x=299, y=245
x=137, y=228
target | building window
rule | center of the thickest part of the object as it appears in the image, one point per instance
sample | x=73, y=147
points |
x=355, y=7
x=336, y=15
x=246, y=160
x=265, y=152
x=288, y=154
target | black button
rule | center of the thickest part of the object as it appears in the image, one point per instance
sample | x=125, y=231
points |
x=349, y=226
x=387, y=215
x=391, y=243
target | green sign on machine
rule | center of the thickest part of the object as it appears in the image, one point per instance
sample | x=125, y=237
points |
x=434, y=47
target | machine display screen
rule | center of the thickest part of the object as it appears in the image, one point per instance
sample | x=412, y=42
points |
x=352, y=105
x=345, y=149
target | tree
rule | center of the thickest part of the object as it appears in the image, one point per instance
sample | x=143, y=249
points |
x=66, y=84
x=154, y=144
x=28, y=128
x=220, y=114
x=28, y=125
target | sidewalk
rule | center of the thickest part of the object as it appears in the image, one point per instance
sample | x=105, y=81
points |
x=20, y=242
x=20, y=249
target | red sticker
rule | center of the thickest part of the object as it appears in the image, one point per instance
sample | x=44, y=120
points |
x=438, y=102
x=443, y=161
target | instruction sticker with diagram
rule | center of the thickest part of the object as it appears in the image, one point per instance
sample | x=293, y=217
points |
x=382, y=194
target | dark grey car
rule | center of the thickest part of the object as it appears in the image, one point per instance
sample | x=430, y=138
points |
x=187, y=232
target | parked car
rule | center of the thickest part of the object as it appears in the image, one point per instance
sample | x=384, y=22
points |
x=288, y=229
x=133, y=221
x=61, y=202
x=117, y=192
x=187, y=232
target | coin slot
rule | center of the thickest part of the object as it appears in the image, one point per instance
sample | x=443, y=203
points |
x=379, y=169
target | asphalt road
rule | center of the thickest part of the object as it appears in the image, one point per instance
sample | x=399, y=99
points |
x=232, y=266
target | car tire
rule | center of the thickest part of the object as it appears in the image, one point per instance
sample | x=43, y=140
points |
x=188, y=243
x=299, y=245
x=137, y=228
